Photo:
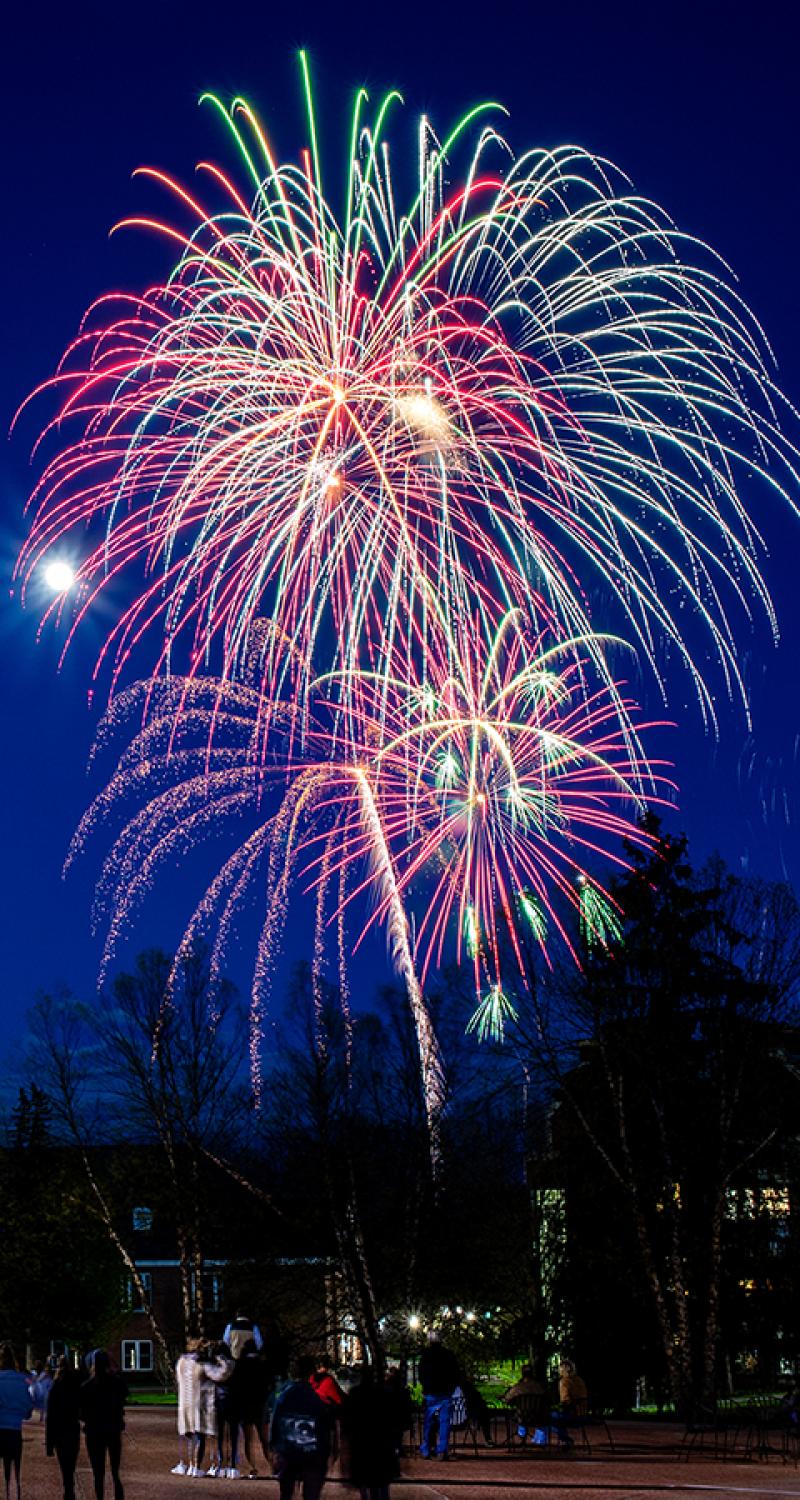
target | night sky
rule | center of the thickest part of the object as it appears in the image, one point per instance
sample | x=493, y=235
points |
x=697, y=102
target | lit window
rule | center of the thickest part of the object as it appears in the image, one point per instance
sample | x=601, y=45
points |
x=349, y=1347
x=137, y=1356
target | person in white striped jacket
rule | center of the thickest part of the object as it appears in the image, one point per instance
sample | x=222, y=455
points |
x=188, y=1375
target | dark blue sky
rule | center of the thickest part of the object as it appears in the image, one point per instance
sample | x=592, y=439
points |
x=697, y=102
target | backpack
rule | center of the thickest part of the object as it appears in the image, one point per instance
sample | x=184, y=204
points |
x=298, y=1434
x=238, y=1339
x=458, y=1410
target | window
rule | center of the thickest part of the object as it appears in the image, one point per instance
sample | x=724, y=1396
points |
x=776, y=1204
x=348, y=1345
x=212, y=1291
x=142, y=1220
x=211, y=1283
x=133, y=1299
x=137, y=1355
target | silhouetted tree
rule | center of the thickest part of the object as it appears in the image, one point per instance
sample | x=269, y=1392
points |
x=157, y=1064
x=670, y=1056
x=58, y=1279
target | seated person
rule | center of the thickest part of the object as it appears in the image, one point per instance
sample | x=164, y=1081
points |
x=573, y=1396
x=527, y=1398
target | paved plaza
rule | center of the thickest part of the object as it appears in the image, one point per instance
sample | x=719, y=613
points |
x=646, y=1463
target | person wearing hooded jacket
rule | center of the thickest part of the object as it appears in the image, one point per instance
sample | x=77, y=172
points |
x=299, y=1435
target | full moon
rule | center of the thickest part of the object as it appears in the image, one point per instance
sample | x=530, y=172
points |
x=59, y=577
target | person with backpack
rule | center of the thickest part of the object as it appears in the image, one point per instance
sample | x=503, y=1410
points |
x=299, y=1435
x=239, y=1332
x=247, y=1393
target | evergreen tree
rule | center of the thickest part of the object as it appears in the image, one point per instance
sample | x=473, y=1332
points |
x=672, y=1054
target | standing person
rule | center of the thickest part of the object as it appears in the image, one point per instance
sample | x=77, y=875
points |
x=438, y=1373
x=15, y=1407
x=216, y=1368
x=246, y=1398
x=299, y=1435
x=62, y=1431
x=369, y=1419
x=239, y=1331
x=274, y=1352
x=102, y=1402
x=40, y=1388
x=325, y=1384
x=187, y=1381
x=402, y=1411
x=329, y=1391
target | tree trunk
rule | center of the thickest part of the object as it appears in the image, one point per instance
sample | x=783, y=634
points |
x=711, y=1330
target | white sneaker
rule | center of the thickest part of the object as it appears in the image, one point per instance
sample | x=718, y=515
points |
x=193, y=1471
x=234, y=1474
x=180, y=1468
x=213, y=1471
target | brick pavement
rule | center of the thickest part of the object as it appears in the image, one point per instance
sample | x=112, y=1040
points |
x=646, y=1465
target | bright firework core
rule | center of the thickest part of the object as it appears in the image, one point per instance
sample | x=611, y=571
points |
x=59, y=576
x=423, y=414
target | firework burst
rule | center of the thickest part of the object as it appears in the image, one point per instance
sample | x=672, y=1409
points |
x=420, y=433
x=467, y=803
x=494, y=785
x=357, y=423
